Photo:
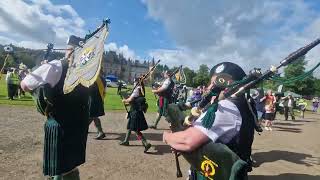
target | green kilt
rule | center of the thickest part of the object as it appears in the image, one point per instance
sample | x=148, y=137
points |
x=66, y=132
x=136, y=121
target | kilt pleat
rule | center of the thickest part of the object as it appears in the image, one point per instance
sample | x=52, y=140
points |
x=137, y=121
x=52, y=148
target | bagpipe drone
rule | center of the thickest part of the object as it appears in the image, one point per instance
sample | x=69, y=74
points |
x=216, y=160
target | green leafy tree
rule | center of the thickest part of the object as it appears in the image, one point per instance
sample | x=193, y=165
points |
x=157, y=73
x=317, y=87
x=304, y=86
x=190, y=74
x=165, y=68
x=29, y=57
x=202, y=76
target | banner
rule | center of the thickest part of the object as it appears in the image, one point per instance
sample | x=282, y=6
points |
x=87, y=58
x=180, y=76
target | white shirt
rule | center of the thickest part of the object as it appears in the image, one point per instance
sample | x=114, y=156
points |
x=166, y=83
x=290, y=102
x=136, y=92
x=48, y=73
x=226, y=125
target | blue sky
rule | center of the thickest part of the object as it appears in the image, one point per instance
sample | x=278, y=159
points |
x=250, y=33
x=130, y=23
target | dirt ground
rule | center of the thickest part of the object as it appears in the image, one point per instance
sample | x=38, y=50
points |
x=290, y=152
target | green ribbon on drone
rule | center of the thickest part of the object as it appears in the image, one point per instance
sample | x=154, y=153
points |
x=280, y=80
x=210, y=116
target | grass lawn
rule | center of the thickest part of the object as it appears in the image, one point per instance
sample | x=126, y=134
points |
x=112, y=100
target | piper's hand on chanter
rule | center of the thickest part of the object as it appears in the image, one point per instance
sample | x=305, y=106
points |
x=158, y=90
x=128, y=100
x=125, y=101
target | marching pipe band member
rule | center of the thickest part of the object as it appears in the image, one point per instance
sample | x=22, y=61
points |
x=230, y=123
x=136, y=120
x=66, y=127
x=165, y=93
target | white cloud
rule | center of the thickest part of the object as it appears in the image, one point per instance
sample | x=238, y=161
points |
x=250, y=33
x=34, y=23
x=124, y=50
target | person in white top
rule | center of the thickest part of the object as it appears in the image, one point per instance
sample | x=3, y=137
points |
x=228, y=122
x=66, y=127
x=136, y=120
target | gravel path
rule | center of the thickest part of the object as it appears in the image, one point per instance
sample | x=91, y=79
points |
x=290, y=152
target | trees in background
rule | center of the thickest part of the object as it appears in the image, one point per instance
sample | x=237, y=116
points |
x=190, y=74
x=29, y=57
x=304, y=86
x=202, y=76
x=317, y=87
x=195, y=78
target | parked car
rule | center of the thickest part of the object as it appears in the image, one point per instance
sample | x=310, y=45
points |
x=124, y=84
x=111, y=84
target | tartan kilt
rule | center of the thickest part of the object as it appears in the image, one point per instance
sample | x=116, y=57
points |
x=64, y=146
x=163, y=103
x=136, y=121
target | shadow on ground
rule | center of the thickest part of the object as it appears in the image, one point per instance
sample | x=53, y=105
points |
x=275, y=155
x=306, y=120
x=287, y=176
x=133, y=137
x=287, y=124
x=288, y=129
x=161, y=150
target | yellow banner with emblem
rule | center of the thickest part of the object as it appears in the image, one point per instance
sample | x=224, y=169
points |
x=85, y=64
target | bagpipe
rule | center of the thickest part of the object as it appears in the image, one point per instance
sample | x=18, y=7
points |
x=83, y=66
x=216, y=160
x=205, y=101
x=146, y=75
x=156, y=85
x=139, y=83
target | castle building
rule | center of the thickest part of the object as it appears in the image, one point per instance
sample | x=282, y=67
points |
x=125, y=69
